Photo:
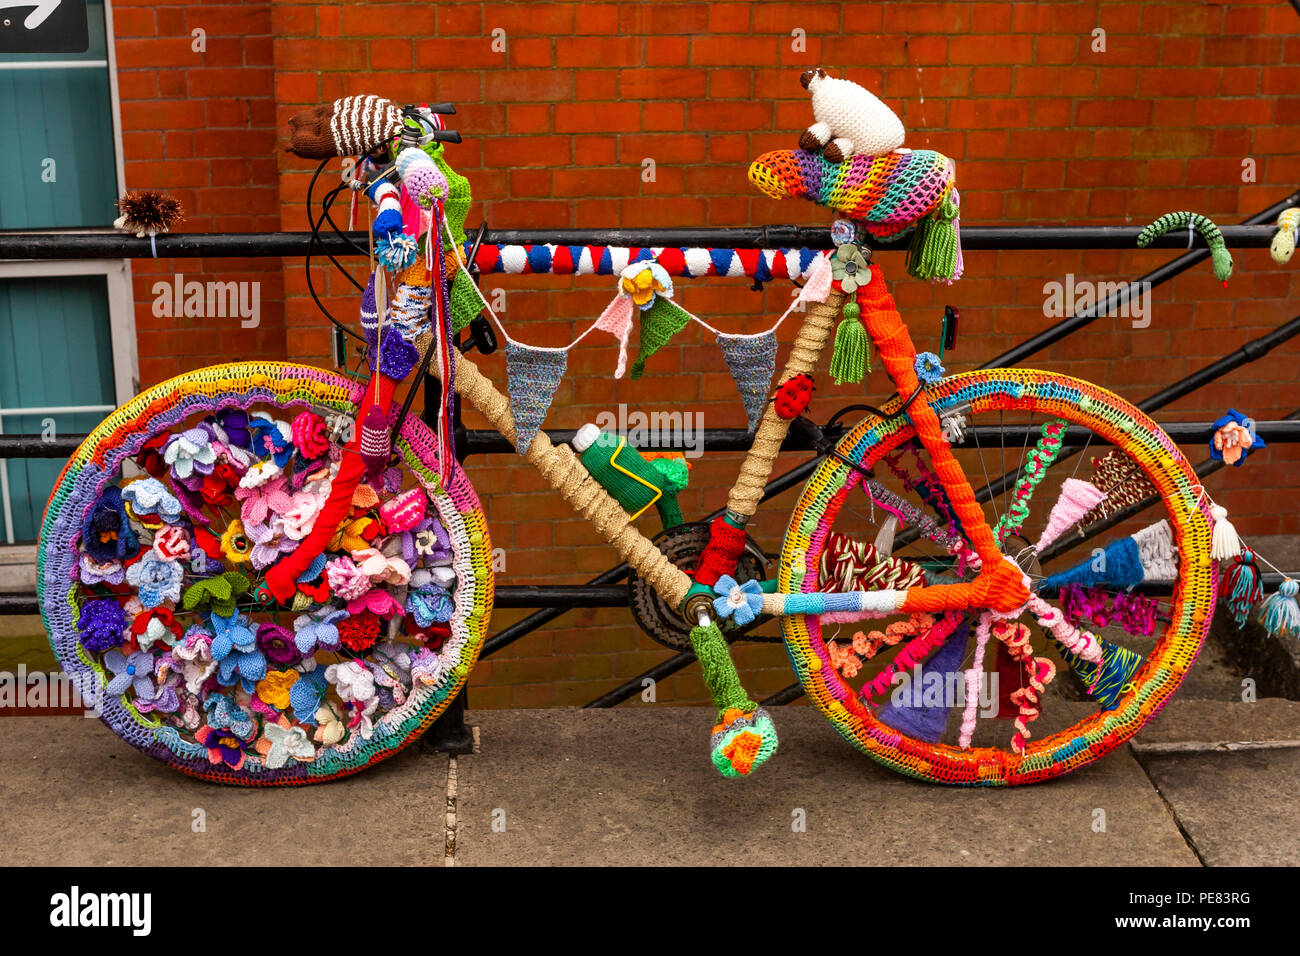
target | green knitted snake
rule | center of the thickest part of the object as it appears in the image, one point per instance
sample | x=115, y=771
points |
x=1219, y=254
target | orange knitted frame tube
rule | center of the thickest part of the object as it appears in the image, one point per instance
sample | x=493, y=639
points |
x=999, y=585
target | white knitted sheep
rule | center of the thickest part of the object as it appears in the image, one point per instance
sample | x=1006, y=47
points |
x=850, y=119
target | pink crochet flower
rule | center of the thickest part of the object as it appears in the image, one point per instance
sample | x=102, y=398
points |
x=404, y=511
x=310, y=435
x=377, y=601
x=345, y=579
x=382, y=569
x=301, y=515
x=263, y=499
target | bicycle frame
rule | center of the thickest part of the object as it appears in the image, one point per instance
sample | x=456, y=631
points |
x=1000, y=586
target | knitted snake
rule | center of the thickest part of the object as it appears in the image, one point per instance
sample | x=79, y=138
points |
x=1288, y=233
x=887, y=194
x=1219, y=254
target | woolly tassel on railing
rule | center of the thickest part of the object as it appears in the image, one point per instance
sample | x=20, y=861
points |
x=1078, y=497
x=909, y=714
x=1280, y=614
x=1225, y=545
x=1241, y=586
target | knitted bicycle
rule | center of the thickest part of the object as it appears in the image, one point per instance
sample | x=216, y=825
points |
x=270, y=574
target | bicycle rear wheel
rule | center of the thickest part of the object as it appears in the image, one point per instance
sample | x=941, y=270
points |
x=1128, y=685
x=154, y=540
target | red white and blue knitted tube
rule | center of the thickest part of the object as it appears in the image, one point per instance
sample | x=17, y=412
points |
x=761, y=264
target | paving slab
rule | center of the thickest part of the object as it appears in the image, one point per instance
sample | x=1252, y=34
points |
x=1238, y=809
x=1212, y=724
x=72, y=793
x=634, y=787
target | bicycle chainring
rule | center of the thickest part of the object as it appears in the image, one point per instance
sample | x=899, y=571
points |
x=683, y=545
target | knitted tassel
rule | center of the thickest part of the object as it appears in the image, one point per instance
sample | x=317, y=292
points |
x=1106, y=684
x=850, y=360
x=1280, y=614
x=1241, y=585
x=910, y=715
x=934, y=251
x=1225, y=545
x=1078, y=497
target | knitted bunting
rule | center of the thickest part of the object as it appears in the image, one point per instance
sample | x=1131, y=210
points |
x=617, y=321
x=533, y=375
x=659, y=323
x=751, y=359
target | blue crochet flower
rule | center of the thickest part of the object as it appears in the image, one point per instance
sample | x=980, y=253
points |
x=306, y=694
x=156, y=580
x=928, y=369
x=224, y=714
x=1233, y=440
x=740, y=602
x=270, y=439
x=236, y=653
x=429, y=604
x=106, y=532
x=134, y=672
x=149, y=496
x=320, y=629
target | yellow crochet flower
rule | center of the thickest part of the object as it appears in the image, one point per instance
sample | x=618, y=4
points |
x=274, y=688
x=350, y=537
x=641, y=287
x=235, y=544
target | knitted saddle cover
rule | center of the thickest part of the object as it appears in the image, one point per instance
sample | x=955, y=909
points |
x=887, y=194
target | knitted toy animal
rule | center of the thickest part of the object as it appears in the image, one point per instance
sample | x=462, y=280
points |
x=1220, y=257
x=1288, y=229
x=850, y=119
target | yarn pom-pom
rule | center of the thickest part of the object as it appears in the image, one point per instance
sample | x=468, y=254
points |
x=1225, y=544
x=742, y=742
x=396, y=251
x=1280, y=614
x=1241, y=586
x=147, y=212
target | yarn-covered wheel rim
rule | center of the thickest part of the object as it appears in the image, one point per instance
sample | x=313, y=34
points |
x=292, y=388
x=1191, y=603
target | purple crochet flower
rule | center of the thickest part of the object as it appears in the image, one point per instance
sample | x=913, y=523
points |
x=277, y=643
x=101, y=572
x=102, y=623
x=397, y=357
x=189, y=452
x=134, y=673
x=165, y=700
x=106, y=532
x=269, y=542
x=233, y=423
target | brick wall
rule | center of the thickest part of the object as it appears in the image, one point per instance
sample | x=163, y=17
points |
x=1044, y=129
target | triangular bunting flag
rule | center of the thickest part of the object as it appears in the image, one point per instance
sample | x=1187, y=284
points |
x=1119, y=566
x=1118, y=665
x=751, y=359
x=617, y=321
x=659, y=323
x=532, y=376
x=915, y=709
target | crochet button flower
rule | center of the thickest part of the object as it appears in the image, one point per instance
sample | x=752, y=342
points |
x=155, y=580
x=130, y=673
x=189, y=452
x=740, y=602
x=643, y=281
x=277, y=643
x=235, y=544
x=928, y=369
x=850, y=267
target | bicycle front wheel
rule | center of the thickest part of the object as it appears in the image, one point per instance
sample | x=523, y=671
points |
x=910, y=693
x=156, y=537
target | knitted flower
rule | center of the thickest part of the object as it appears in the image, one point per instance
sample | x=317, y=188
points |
x=260, y=474
x=274, y=688
x=850, y=268
x=155, y=580
x=101, y=624
x=150, y=457
x=427, y=668
x=217, y=593
x=218, y=488
x=1234, y=438
x=157, y=626
x=224, y=714
x=149, y=496
x=390, y=663
x=235, y=544
x=426, y=601
x=428, y=539
x=269, y=542
x=281, y=742
x=192, y=656
x=397, y=357
x=130, y=673
x=740, y=602
x=171, y=543
x=272, y=439
x=231, y=426
x=189, y=452
x=317, y=630
x=100, y=572
x=643, y=281
x=381, y=568
x=262, y=498
x=222, y=746
x=346, y=580
x=330, y=727
x=356, y=534
x=377, y=601
x=106, y=533
x=928, y=369
x=236, y=653
x=352, y=680
x=166, y=698
x=359, y=632
x=310, y=435
x=301, y=515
